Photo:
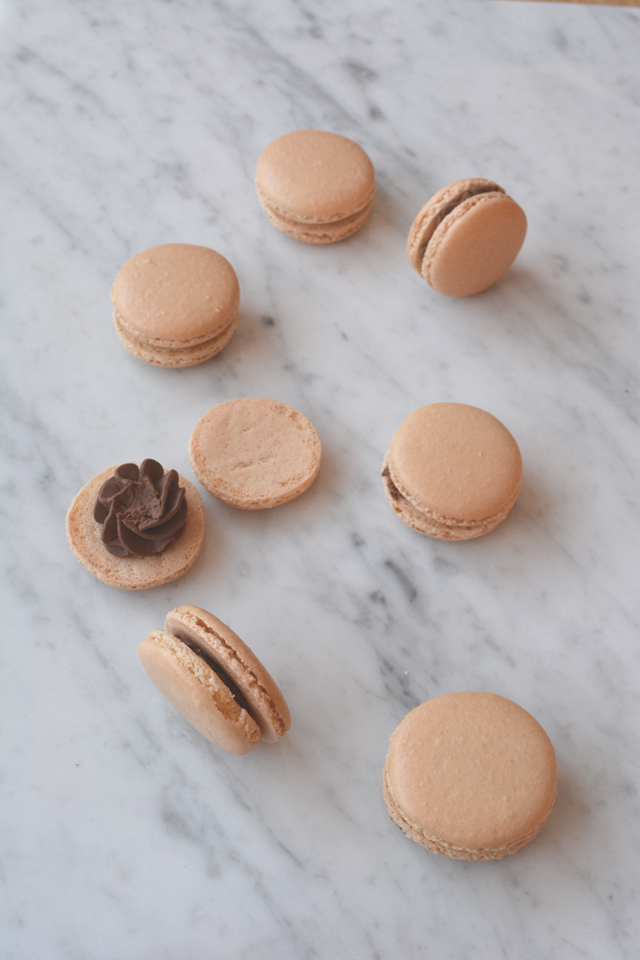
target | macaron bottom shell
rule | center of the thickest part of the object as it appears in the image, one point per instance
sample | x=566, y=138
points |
x=318, y=233
x=174, y=357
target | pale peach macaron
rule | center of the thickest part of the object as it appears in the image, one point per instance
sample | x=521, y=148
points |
x=176, y=304
x=212, y=678
x=315, y=186
x=255, y=453
x=452, y=472
x=470, y=776
x=85, y=533
x=466, y=237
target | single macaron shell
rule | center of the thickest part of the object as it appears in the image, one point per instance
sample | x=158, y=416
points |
x=315, y=186
x=84, y=534
x=452, y=472
x=176, y=304
x=254, y=453
x=212, y=678
x=470, y=776
x=466, y=237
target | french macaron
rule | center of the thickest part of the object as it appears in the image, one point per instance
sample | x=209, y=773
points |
x=466, y=237
x=176, y=305
x=215, y=681
x=452, y=472
x=315, y=186
x=255, y=453
x=470, y=776
x=137, y=526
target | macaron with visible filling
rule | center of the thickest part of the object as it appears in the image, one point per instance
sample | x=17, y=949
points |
x=452, y=472
x=136, y=527
x=215, y=681
x=466, y=237
x=315, y=186
x=254, y=453
x=470, y=776
x=176, y=305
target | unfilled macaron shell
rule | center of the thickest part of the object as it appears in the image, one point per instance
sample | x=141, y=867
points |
x=466, y=237
x=315, y=186
x=266, y=703
x=452, y=471
x=132, y=573
x=255, y=453
x=470, y=775
x=176, y=304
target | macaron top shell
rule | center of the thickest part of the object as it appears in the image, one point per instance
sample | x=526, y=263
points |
x=176, y=294
x=455, y=462
x=199, y=628
x=313, y=176
x=466, y=237
x=472, y=769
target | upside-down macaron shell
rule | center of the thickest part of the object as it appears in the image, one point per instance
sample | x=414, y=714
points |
x=194, y=689
x=456, y=463
x=266, y=703
x=254, y=453
x=470, y=775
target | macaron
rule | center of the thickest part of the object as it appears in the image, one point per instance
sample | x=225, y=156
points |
x=315, y=186
x=215, y=681
x=176, y=305
x=452, y=472
x=470, y=776
x=136, y=527
x=466, y=237
x=254, y=453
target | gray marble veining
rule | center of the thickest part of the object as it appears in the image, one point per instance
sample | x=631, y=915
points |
x=128, y=125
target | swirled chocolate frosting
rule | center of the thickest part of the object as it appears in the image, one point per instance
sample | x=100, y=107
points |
x=142, y=508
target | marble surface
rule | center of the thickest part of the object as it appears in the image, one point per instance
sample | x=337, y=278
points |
x=132, y=124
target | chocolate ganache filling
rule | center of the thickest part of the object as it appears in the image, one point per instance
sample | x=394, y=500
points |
x=142, y=508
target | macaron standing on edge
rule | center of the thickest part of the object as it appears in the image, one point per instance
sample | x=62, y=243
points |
x=470, y=776
x=255, y=453
x=452, y=472
x=176, y=305
x=466, y=237
x=212, y=678
x=315, y=186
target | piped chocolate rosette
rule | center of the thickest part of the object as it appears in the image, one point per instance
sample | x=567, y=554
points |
x=143, y=510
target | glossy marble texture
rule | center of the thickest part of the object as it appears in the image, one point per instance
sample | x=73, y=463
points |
x=133, y=124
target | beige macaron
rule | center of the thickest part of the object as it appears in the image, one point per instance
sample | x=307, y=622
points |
x=452, y=472
x=466, y=237
x=176, y=305
x=255, y=453
x=215, y=681
x=129, y=572
x=315, y=186
x=470, y=776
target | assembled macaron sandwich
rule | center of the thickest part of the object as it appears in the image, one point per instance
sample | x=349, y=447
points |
x=315, y=186
x=176, y=305
x=466, y=237
x=215, y=681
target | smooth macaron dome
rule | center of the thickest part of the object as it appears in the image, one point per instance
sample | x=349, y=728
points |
x=466, y=237
x=470, y=776
x=315, y=186
x=176, y=304
x=254, y=453
x=452, y=472
x=212, y=678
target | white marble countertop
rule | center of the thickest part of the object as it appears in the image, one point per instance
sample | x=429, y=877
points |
x=132, y=124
